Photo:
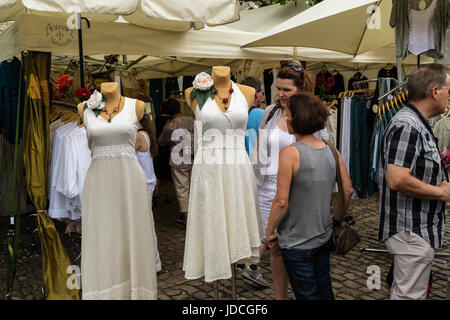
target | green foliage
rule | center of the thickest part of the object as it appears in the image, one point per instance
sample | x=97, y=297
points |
x=263, y=3
x=313, y=2
x=202, y=96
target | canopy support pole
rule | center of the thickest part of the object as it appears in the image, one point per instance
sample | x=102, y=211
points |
x=80, y=49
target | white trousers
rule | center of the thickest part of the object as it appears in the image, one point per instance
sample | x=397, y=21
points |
x=413, y=258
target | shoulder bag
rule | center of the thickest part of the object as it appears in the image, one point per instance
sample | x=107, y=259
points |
x=343, y=235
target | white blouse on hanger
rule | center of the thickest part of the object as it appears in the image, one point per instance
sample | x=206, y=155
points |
x=421, y=34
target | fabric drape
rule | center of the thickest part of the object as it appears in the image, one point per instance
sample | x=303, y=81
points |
x=55, y=260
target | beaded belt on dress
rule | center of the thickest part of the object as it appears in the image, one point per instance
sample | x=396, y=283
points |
x=113, y=151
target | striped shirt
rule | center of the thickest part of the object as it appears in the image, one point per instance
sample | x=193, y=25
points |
x=409, y=142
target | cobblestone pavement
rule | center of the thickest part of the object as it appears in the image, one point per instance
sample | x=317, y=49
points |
x=349, y=274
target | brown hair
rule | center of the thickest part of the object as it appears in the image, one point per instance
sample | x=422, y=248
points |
x=421, y=81
x=308, y=113
x=146, y=123
x=302, y=79
x=252, y=82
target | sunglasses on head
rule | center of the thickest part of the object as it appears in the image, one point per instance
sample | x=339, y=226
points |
x=296, y=67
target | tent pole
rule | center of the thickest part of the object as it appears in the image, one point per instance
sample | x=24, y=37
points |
x=80, y=49
x=418, y=61
x=399, y=69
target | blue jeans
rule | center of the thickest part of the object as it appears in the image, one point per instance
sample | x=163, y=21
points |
x=309, y=272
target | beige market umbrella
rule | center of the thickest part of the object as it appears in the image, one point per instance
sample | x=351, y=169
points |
x=171, y=15
x=348, y=26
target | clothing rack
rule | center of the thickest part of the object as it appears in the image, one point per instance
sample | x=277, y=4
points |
x=395, y=89
x=328, y=97
x=63, y=104
x=352, y=92
x=358, y=83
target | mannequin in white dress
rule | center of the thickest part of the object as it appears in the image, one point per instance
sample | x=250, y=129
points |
x=222, y=227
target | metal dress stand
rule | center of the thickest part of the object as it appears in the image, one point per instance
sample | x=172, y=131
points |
x=233, y=284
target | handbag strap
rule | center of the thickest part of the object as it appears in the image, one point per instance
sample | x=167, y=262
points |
x=338, y=172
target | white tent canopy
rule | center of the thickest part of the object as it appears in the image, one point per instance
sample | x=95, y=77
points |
x=339, y=25
x=210, y=46
x=41, y=33
x=173, y=15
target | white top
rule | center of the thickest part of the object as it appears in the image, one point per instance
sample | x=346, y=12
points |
x=70, y=161
x=146, y=161
x=421, y=34
x=278, y=139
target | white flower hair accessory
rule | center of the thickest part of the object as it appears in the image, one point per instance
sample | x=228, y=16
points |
x=96, y=102
x=203, y=88
x=203, y=81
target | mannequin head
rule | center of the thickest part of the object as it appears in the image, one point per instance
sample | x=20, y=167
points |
x=221, y=71
x=107, y=87
x=221, y=76
x=110, y=90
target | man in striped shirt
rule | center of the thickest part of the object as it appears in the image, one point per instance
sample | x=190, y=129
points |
x=413, y=183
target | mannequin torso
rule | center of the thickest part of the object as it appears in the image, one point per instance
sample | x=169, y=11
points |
x=222, y=83
x=114, y=100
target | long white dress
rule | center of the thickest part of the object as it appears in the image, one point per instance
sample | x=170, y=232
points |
x=118, y=253
x=222, y=226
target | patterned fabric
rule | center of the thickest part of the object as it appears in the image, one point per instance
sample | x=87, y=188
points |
x=186, y=123
x=442, y=131
x=408, y=142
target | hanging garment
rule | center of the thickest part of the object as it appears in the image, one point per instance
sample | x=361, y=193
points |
x=359, y=146
x=442, y=131
x=268, y=81
x=345, y=132
x=273, y=88
x=382, y=75
x=222, y=225
x=6, y=176
x=335, y=84
x=10, y=75
x=322, y=84
x=332, y=127
x=117, y=245
x=357, y=77
x=447, y=47
x=69, y=163
x=53, y=127
x=156, y=93
x=421, y=34
x=400, y=20
x=171, y=86
x=59, y=205
x=187, y=82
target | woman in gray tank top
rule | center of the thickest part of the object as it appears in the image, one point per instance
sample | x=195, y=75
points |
x=300, y=219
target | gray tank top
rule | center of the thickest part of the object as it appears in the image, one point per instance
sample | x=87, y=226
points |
x=307, y=223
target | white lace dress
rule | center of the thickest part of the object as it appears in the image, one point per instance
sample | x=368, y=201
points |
x=118, y=253
x=222, y=225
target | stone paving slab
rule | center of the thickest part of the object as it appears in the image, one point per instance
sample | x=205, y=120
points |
x=349, y=273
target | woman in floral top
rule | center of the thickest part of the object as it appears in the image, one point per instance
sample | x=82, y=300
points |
x=181, y=161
